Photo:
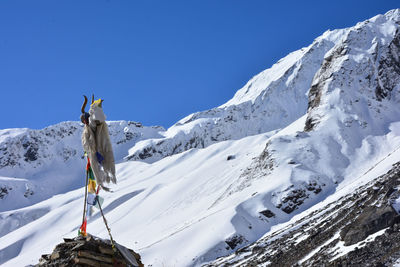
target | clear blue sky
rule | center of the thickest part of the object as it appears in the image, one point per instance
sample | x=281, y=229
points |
x=152, y=61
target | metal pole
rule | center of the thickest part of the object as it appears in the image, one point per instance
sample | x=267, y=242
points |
x=108, y=229
x=85, y=204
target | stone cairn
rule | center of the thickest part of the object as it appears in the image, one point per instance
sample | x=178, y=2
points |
x=90, y=251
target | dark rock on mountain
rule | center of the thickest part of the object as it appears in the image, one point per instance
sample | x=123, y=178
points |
x=371, y=220
x=389, y=67
x=4, y=191
x=267, y=213
x=234, y=241
x=230, y=157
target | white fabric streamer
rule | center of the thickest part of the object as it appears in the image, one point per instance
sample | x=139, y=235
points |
x=96, y=139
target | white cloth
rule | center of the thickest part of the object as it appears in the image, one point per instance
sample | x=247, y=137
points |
x=96, y=114
x=96, y=138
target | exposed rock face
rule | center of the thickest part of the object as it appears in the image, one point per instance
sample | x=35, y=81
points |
x=89, y=251
x=371, y=220
x=363, y=222
x=321, y=79
x=234, y=241
x=389, y=68
x=267, y=213
x=4, y=191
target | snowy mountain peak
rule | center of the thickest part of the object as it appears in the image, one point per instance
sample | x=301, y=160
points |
x=289, y=89
x=363, y=68
x=271, y=100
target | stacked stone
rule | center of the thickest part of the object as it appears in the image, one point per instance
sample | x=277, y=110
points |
x=88, y=251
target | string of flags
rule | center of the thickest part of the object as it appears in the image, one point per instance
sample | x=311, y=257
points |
x=93, y=200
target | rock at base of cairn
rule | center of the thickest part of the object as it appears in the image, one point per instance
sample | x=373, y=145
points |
x=90, y=251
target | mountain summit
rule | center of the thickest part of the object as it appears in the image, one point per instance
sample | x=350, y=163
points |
x=316, y=126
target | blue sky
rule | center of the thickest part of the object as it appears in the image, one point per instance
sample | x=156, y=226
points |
x=152, y=61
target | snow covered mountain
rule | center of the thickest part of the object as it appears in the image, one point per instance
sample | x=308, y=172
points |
x=322, y=121
x=37, y=164
x=269, y=101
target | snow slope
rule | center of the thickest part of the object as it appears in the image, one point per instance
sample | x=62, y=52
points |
x=171, y=212
x=313, y=237
x=193, y=180
x=296, y=134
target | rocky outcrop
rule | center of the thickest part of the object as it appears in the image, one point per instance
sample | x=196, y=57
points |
x=293, y=198
x=90, y=251
x=389, y=68
x=321, y=79
x=371, y=220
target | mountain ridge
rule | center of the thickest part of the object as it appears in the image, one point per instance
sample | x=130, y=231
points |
x=246, y=113
x=39, y=157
